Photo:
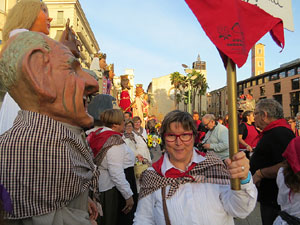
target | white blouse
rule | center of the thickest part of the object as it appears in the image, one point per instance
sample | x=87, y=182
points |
x=290, y=205
x=131, y=144
x=141, y=147
x=118, y=158
x=197, y=203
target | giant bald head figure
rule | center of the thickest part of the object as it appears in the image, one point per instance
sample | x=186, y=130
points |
x=43, y=76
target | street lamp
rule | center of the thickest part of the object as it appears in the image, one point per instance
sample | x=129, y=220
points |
x=188, y=70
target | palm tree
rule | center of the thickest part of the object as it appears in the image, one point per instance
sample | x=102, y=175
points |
x=202, y=91
x=198, y=88
x=176, y=80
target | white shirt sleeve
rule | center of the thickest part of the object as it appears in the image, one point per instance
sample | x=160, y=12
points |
x=239, y=203
x=115, y=157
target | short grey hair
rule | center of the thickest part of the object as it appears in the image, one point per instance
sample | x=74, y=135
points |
x=178, y=116
x=271, y=107
x=209, y=117
x=12, y=55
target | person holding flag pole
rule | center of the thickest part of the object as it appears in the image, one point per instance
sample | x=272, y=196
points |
x=241, y=26
x=172, y=191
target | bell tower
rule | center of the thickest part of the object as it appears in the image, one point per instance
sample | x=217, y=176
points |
x=257, y=59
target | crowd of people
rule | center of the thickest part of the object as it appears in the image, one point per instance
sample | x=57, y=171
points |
x=70, y=156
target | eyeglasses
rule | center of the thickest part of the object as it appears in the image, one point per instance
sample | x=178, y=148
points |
x=185, y=137
x=205, y=125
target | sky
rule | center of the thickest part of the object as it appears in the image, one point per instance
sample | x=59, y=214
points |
x=155, y=37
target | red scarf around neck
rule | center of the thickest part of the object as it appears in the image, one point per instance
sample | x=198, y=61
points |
x=173, y=172
x=97, y=139
x=274, y=124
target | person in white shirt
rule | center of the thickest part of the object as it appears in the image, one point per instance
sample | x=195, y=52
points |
x=137, y=128
x=118, y=194
x=288, y=182
x=186, y=186
x=138, y=146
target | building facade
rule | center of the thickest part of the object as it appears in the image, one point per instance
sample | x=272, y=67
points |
x=161, y=96
x=61, y=11
x=281, y=84
x=217, y=102
x=162, y=93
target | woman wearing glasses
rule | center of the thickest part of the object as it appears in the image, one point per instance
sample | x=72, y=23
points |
x=186, y=186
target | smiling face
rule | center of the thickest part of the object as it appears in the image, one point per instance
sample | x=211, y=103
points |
x=179, y=152
x=137, y=124
x=72, y=84
x=129, y=128
x=42, y=22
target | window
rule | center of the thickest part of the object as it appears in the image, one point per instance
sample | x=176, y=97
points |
x=282, y=74
x=250, y=92
x=266, y=79
x=260, y=81
x=262, y=90
x=298, y=70
x=295, y=84
x=295, y=103
x=291, y=72
x=259, y=51
x=278, y=98
x=240, y=89
x=2, y=5
x=248, y=84
x=274, y=77
x=259, y=63
x=295, y=98
x=60, y=17
x=277, y=87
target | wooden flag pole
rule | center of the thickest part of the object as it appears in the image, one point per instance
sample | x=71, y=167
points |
x=233, y=116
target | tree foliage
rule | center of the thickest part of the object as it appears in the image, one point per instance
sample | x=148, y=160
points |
x=195, y=81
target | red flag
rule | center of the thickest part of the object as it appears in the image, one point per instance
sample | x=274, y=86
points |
x=234, y=26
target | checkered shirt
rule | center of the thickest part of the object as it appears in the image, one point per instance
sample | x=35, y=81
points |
x=43, y=165
x=211, y=170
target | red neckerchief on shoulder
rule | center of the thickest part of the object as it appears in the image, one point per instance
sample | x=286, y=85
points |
x=97, y=139
x=274, y=124
x=173, y=172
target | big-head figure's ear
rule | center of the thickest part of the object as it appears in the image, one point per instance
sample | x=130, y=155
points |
x=36, y=67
